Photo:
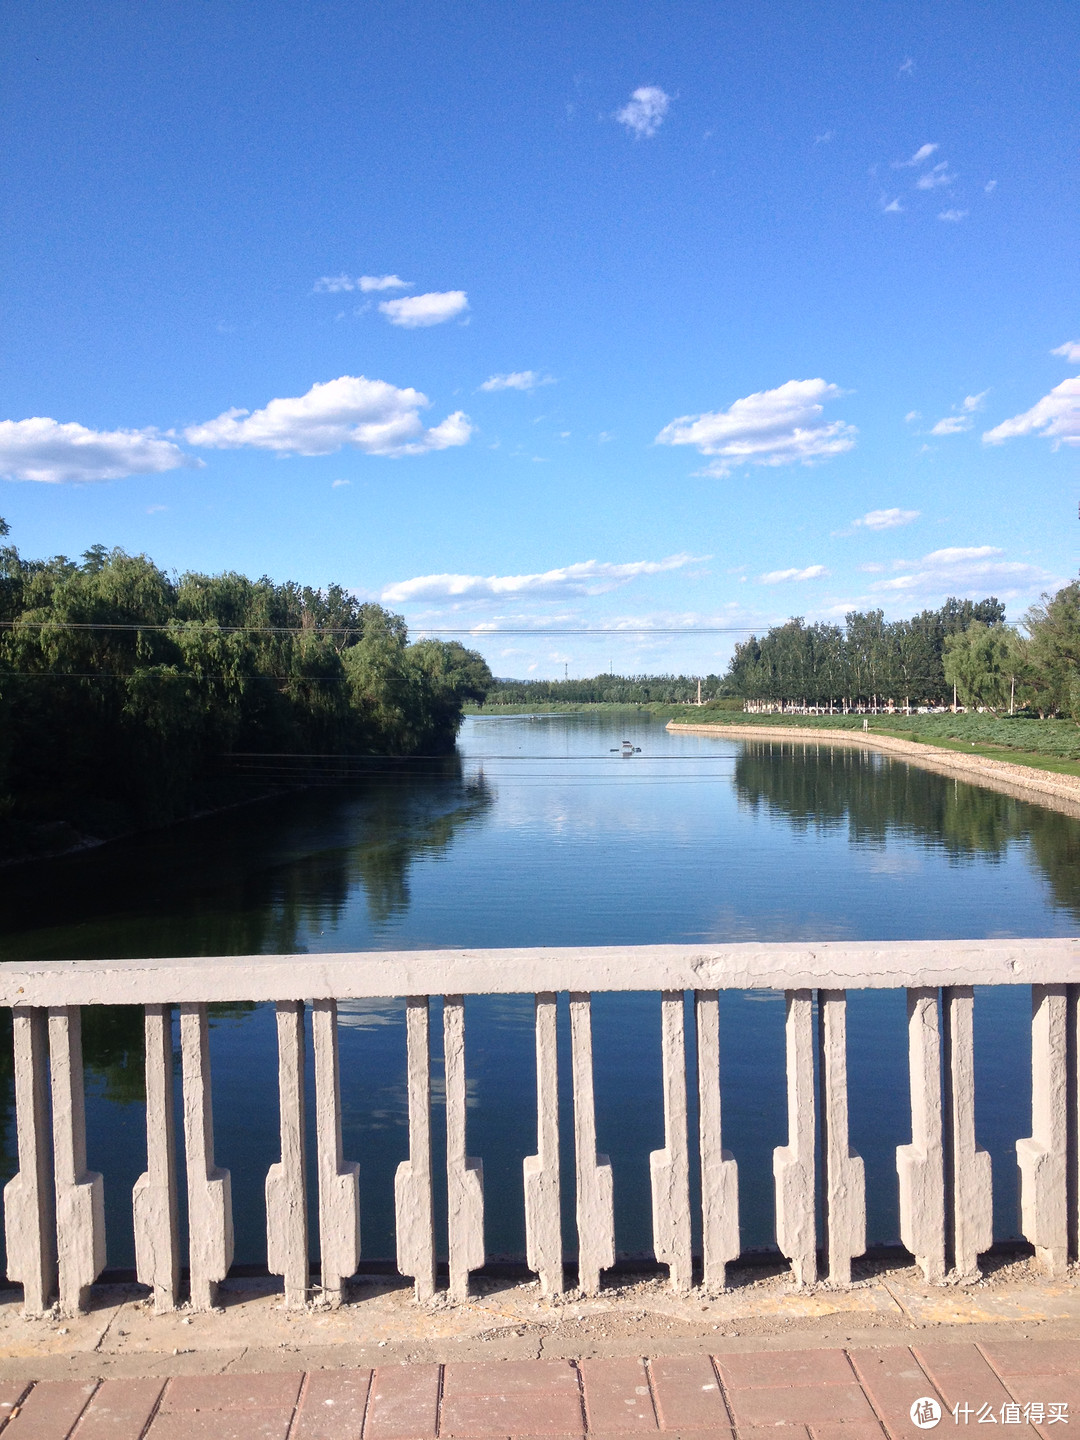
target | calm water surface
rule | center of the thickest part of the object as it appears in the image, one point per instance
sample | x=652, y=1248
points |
x=536, y=833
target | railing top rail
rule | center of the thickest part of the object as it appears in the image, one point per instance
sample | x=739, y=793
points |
x=830, y=965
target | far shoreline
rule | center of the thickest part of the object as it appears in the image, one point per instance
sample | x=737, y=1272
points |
x=1023, y=782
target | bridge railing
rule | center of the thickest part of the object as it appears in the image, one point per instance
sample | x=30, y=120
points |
x=54, y=1212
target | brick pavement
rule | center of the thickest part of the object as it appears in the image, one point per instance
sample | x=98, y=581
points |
x=820, y=1394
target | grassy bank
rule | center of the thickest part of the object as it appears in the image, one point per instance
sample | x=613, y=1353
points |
x=1044, y=744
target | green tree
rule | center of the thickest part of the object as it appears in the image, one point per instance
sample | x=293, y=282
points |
x=1053, y=651
x=982, y=661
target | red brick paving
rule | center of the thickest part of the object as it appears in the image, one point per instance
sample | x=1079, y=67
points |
x=333, y=1404
x=861, y=1394
x=617, y=1397
x=119, y=1410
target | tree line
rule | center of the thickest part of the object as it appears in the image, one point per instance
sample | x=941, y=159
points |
x=122, y=688
x=608, y=690
x=964, y=649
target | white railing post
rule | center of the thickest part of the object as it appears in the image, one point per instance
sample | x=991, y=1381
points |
x=464, y=1173
x=29, y=1200
x=155, y=1202
x=80, y=1193
x=339, y=1181
x=286, y=1181
x=719, y=1172
x=971, y=1201
x=920, y=1166
x=669, y=1168
x=209, y=1186
x=845, y=1180
x=1043, y=1156
x=413, y=1194
x=543, y=1208
x=595, y=1195
x=793, y=1163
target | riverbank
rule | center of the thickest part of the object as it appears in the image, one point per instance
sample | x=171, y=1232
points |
x=1058, y=784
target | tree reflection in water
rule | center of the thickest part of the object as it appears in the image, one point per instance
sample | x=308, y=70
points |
x=826, y=788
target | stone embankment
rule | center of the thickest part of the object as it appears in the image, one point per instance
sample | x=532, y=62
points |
x=1023, y=782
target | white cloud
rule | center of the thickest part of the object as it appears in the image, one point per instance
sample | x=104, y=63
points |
x=517, y=380
x=920, y=157
x=907, y=68
x=963, y=417
x=1057, y=416
x=644, y=112
x=892, y=208
x=887, y=519
x=772, y=427
x=953, y=554
x=912, y=416
x=939, y=175
x=367, y=283
x=589, y=577
x=336, y=284
x=952, y=216
x=962, y=568
x=372, y=415
x=333, y=284
x=1069, y=351
x=57, y=454
x=777, y=577
x=337, y=484
x=989, y=187
x=414, y=311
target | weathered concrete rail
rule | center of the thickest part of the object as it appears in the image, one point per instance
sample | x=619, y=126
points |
x=54, y=1211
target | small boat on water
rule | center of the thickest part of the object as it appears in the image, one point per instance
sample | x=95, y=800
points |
x=626, y=748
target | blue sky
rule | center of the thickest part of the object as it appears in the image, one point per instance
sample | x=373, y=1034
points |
x=549, y=317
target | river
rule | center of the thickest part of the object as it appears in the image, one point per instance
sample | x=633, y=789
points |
x=539, y=832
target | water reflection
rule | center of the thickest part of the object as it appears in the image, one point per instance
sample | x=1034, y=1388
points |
x=875, y=799
x=265, y=879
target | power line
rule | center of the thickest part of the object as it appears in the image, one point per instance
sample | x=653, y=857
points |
x=477, y=633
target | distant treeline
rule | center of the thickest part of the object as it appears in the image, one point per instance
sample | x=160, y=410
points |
x=867, y=657
x=608, y=689
x=966, y=644
x=123, y=689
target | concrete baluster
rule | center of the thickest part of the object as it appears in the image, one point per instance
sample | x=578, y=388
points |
x=464, y=1173
x=543, y=1208
x=845, y=1180
x=155, y=1200
x=793, y=1163
x=29, y=1200
x=286, y=1182
x=920, y=1166
x=339, y=1181
x=1043, y=1156
x=413, y=1194
x=971, y=1208
x=595, y=1194
x=80, y=1193
x=669, y=1168
x=209, y=1186
x=719, y=1172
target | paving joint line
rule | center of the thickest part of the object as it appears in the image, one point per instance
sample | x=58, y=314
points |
x=298, y=1405
x=723, y=1392
x=646, y=1365
x=153, y=1411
